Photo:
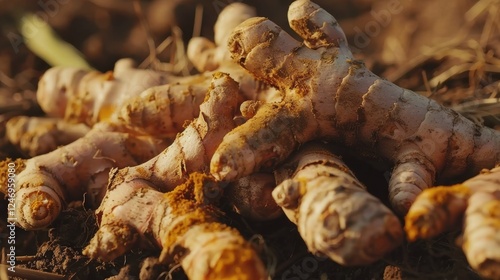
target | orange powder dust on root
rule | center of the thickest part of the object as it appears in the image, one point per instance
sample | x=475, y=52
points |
x=17, y=165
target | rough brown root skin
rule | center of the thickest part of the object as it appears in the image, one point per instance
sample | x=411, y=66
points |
x=182, y=222
x=136, y=200
x=334, y=213
x=69, y=172
x=435, y=211
x=162, y=111
x=208, y=56
x=10, y=166
x=37, y=206
x=37, y=136
x=412, y=174
x=251, y=197
x=481, y=238
x=340, y=100
x=221, y=252
x=481, y=241
x=475, y=203
x=90, y=97
x=57, y=86
x=251, y=143
x=111, y=241
x=192, y=149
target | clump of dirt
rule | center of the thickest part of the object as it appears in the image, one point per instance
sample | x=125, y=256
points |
x=61, y=253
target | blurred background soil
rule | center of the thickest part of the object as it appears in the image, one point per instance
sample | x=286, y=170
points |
x=449, y=51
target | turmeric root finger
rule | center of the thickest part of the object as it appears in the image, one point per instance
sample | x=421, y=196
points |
x=202, y=54
x=192, y=149
x=162, y=111
x=315, y=25
x=412, y=174
x=481, y=241
x=251, y=197
x=57, y=87
x=48, y=182
x=329, y=95
x=217, y=252
x=250, y=144
x=208, y=56
x=477, y=200
x=38, y=136
x=211, y=250
x=183, y=222
x=91, y=96
x=481, y=238
x=436, y=210
x=251, y=50
x=334, y=213
x=118, y=233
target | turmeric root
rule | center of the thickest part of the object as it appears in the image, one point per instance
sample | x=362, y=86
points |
x=192, y=149
x=329, y=95
x=251, y=197
x=334, y=213
x=477, y=202
x=207, y=55
x=51, y=180
x=36, y=136
x=90, y=96
x=190, y=152
x=82, y=96
x=162, y=111
x=182, y=222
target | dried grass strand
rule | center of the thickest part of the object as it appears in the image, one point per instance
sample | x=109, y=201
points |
x=151, y=44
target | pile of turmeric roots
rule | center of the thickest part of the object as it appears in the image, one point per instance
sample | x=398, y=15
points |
x=262, y=126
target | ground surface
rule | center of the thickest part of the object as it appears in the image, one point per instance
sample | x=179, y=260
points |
x=413, y=45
